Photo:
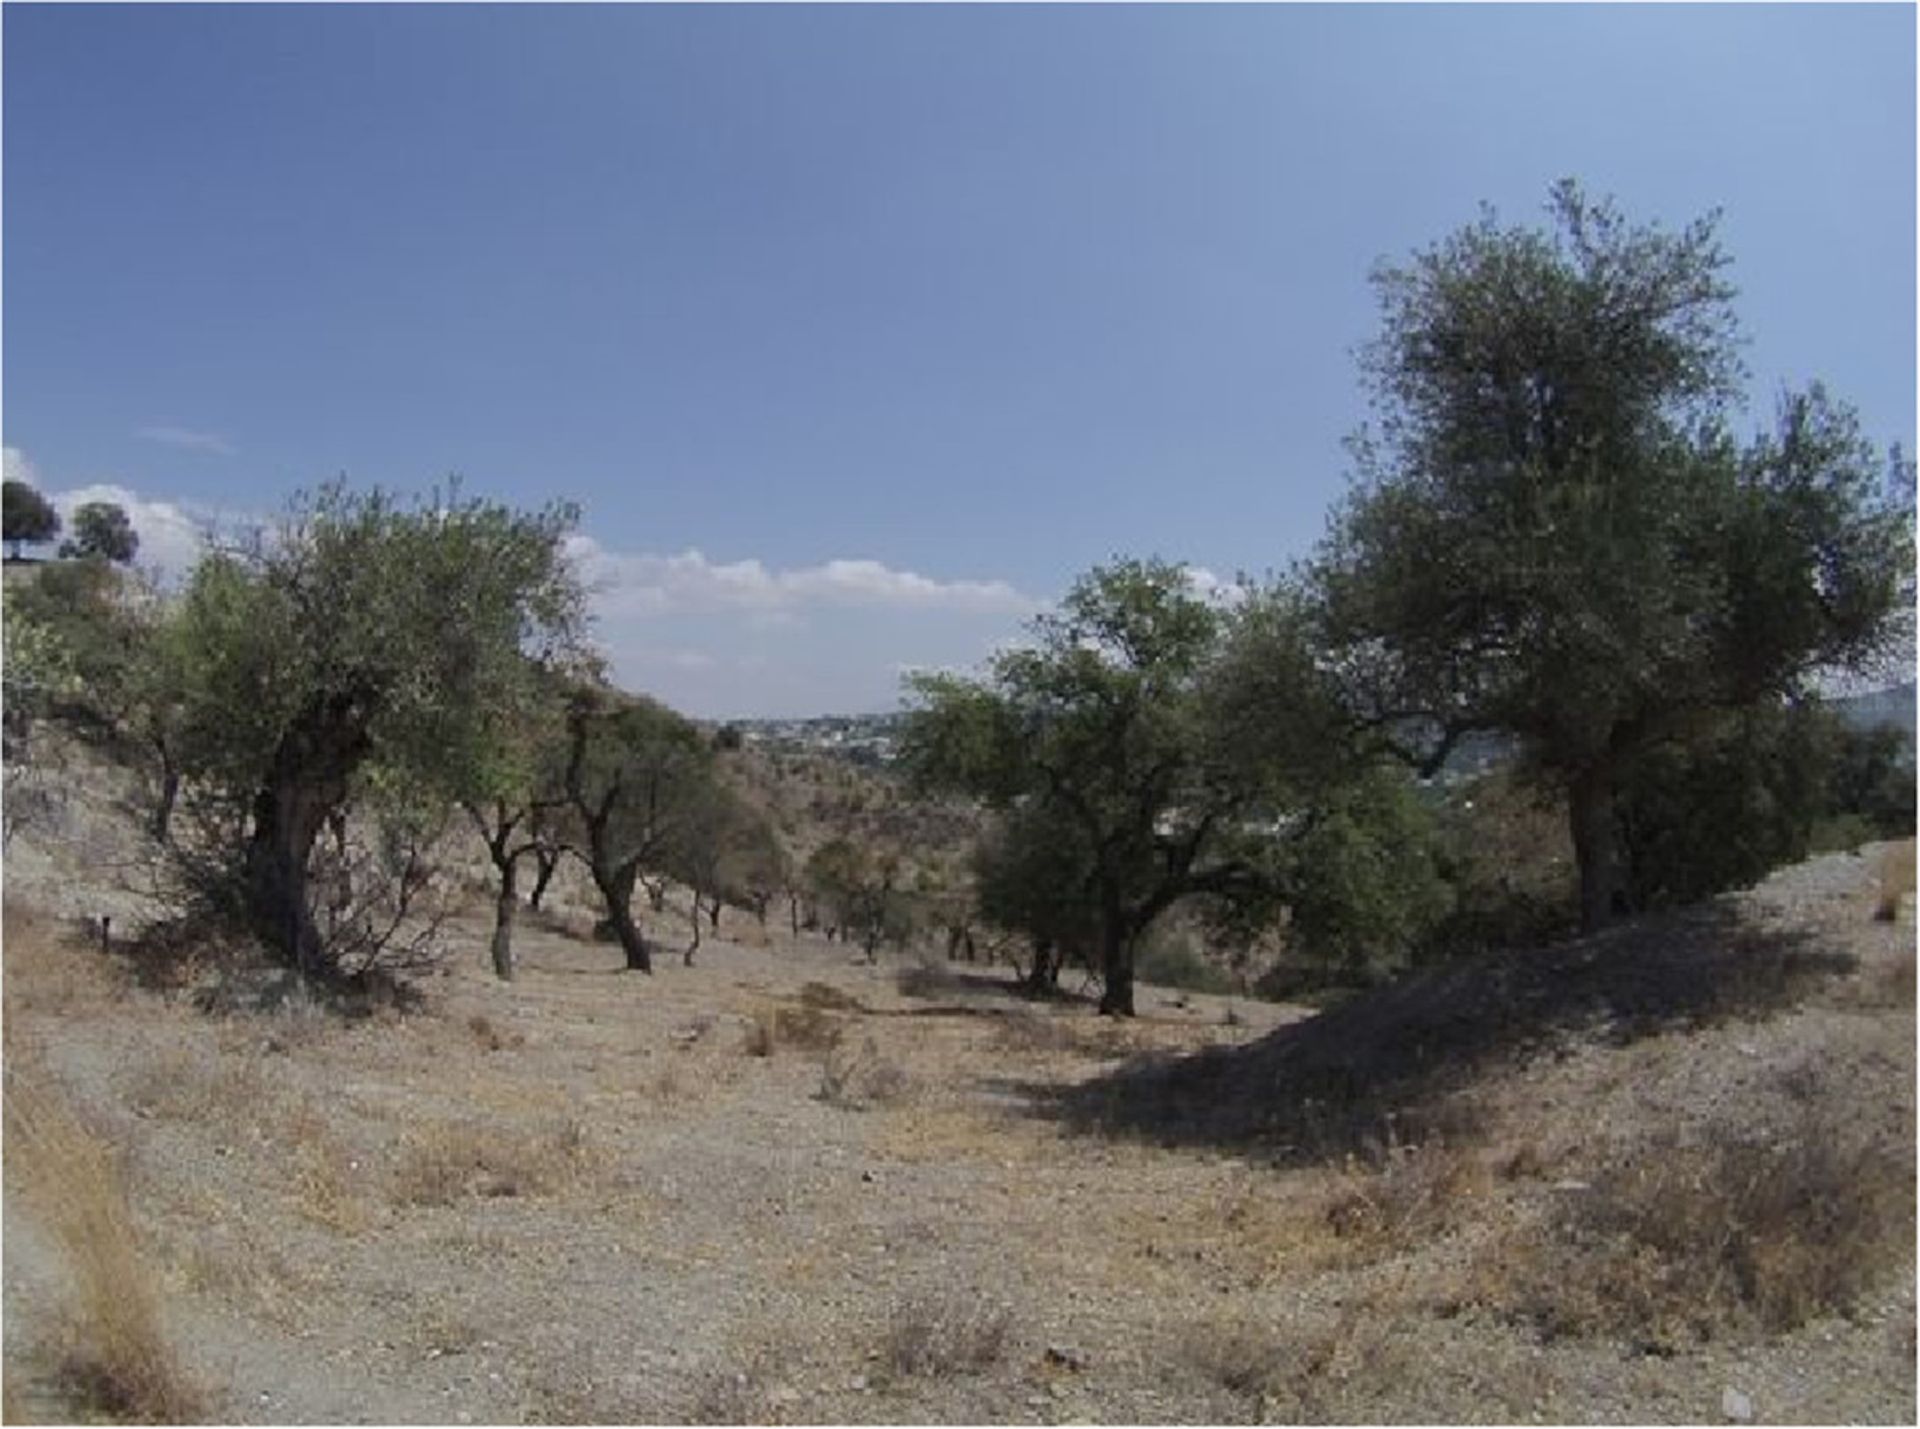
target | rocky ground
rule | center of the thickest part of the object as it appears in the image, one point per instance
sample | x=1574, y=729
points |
x=782, y=1185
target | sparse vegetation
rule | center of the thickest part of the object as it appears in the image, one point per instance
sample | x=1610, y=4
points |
x=947, y=1334
x=109, y=1349
x=1673, y=1244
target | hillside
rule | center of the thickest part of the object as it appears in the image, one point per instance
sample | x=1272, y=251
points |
x=1663, y=1175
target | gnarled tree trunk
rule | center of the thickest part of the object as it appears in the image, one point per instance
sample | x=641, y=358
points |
x=1596, y=846
x=504, y=908
x=616, y=890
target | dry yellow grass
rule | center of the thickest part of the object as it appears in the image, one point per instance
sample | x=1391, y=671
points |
x=108, y=1348
x=442, y=1164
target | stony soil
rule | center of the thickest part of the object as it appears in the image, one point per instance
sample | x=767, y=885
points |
x=588, y=1196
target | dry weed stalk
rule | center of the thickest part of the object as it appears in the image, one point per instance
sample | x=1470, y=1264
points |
x=111, y=1352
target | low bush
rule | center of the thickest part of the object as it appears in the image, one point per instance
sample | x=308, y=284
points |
x=943, y=1335
x=1683, y=1243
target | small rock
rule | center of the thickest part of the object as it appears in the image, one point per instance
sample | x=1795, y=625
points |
x=783, y=1395
x=868, y=1176
x=1067, y=1357
x=858, y=1383
x=1736, y=1406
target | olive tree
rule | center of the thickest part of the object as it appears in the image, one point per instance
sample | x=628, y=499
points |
x=1552, y=533
x=1104, y=723
x=635, y=775
x=357, y=653
x=27, y=516
x=102, y=531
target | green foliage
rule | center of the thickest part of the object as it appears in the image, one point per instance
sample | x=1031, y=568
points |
x=1755, y=790
x=26, y=515
x=1551, y=533
x=1104, y=724
x=1034, y=875
x=368, y=644
x=1171, y=960
x=101, y=531
x=1364, y=882
x=859, y=888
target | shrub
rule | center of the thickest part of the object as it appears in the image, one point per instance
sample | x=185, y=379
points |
x=857, y=1078
x=1170, y=960
x=1681, y=1243
x=944, y=1335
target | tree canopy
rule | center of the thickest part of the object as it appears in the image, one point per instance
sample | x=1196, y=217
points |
x=101, y=530
x=27, y=516
x=1104, y=722
x=1552, y=532
x=367, y=643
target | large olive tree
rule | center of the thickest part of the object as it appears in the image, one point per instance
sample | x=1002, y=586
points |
x=1552, y=533
x=362, y=645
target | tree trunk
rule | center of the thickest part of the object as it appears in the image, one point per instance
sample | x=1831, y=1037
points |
x=713, y=913
x=694, y=946
x=545, y=861
x=161, y=823
x=793, y=912
x=616, y=889
x=287, y=818
x=503, y=911
x=1596, y=846
x=1116, y=966
x=1043, y=976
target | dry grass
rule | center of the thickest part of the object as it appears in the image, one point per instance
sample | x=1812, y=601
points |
x=808, y=1027
x=492, y=1038
x=109, y=1348
x=1415, y=1195
x=944, y=1335
x=1893, y=880
x=444, y=1164
x=1331, y=1374
x=1682, y=1243
x=829, y=998
x=858, y=1078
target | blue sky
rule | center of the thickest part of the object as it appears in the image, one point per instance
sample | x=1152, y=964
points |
x=857, y=332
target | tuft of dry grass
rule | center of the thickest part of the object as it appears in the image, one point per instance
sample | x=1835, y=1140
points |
x=808, y=1027
x=829, y=998
x=1681, y=1243
x=446, y=1163
x=1893, y=879
x=109, y=1348
x=1413, y=1196
x=938, y=1336
x=858, y=1078
x=1328, y=1375
x=492, y=1038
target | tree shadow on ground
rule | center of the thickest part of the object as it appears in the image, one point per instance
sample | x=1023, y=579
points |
x=1386, y=1068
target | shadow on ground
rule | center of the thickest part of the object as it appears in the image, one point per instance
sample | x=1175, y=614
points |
x=1388, y=1067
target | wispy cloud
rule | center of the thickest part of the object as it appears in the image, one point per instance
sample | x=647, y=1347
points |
x=187, y=439
x=690, y=584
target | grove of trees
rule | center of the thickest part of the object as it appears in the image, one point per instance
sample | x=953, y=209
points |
x=1553, y=540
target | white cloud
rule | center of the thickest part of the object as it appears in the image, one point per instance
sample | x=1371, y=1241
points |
x=17, y=467
x=172, y=538
x=1211, y=587
x=187, y=439
x=690, y=584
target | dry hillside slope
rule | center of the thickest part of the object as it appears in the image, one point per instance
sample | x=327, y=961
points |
x=1656, y=1176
